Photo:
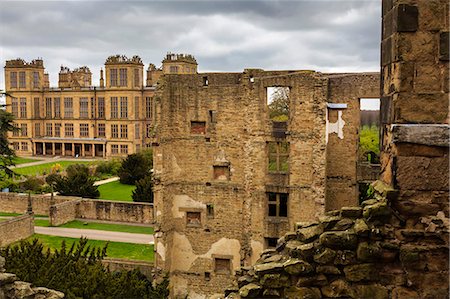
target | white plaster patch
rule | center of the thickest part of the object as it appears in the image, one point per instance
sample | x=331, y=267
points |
x=336, y=127
x=175, y=167
x=257, y=248
x=161, y=250
x=158, y=213
x=182, y=254
x=179, y=286
x=184, y=201
x=226, y=246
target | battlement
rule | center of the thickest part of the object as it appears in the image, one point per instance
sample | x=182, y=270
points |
x=122, y=59
x=171, y=57
x=19, y=62
x=83, y=69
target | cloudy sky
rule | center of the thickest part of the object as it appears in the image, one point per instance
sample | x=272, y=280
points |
x=328, y=36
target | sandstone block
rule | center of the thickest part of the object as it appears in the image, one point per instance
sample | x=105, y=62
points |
x=250, y=291
x=339, y=240
x=302, y=293
x=7, y=278
x=368, y=252
x=268, y=268
x=351, y=212
x=379, y=209
x=325, y=257
x=343, y=224
x=309, y=233
x=274, y=280
x=297, y=267
x=338, y=289
x=328, y=270
x=361, y=228
x=372, y=291
x=361, y=272
x=316, y=280
x=402, y=292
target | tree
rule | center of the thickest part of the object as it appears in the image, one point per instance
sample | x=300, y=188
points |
x=77, y=182
x=6, y=153
x=144, y=190
x=279, y=104
x=135, y=167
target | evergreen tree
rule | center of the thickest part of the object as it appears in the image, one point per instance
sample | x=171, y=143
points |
x=77, y=182
x=144, y=190
x=135, y=167
x=6, y=153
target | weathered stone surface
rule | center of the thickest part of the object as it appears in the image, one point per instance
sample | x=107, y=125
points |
x=368, y=252
x=351, y=212
x=402, y=292
x=328, y=270
x=297, y=267
x=309, y=234
x=21, y=289
x=360, y=227
x=268, y=268
x=271, y=293
x=338, y=289
x=245, y=279
x=371, y=291
x=379, y=209
x=6, y=278
x=345, y=257
x=250, y=291
x=274, y=280
x=316, y=280
x=329, y=221
x=49, y=294
x=325, y=256
x=343, y=224
x=302, y=293
x=339, y=240
x=2, y=264
x=361, y=272
x=407, y=18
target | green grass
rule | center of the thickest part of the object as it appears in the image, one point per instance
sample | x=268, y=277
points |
x=46, y=167
x=22, y=160
x=142, y=252
x=5, y=214
x=116, y=191
x=100, y=226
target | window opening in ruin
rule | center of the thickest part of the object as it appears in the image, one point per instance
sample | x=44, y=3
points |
x=221, y=173
x=277, y=204
x=193, y=219
x=222, y=265
x=278, y=103
x=207, y=275
x=212, y=116
x=271, y=242
x=210, y=210
x=205, y=81
x=252, y=79
x=198, y=127
x=278, y=156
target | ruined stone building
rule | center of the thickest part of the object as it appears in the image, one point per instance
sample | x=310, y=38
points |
x=79, y=119
x=230, y=181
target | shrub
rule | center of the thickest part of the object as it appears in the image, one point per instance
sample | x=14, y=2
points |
x=135, y=167
x=33, y=184
x=110, y=167
x=78, y=182
x=144, y=190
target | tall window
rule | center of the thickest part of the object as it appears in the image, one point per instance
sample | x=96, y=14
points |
x=37, y=108
x=136, y=78
x=136, y=107
x=37, y=130
x=101, y=108
x=101, y=130
x=57, y=104
x=15, y=107
x=148, y=131
x=68, y=108
x=277, y=204
x=24, y=146
x=48, y=107
x=114, y=149
x=84, y=108
x=136, y=131
x=123, y=77
x=57, y=130
x=92, y=108
x=84, y=130
x=16, y=146
x=124, y=131
x=114, y=131
x=23, y=130
x=15, y=133
x=23, y=107
x=114, y=108
x=35, y=80
x=68, y=130
x=22, y=80
x=124, y=148
x=13, y=79
x=123, y=107
x=48, y=130
x=113, y=77
x=148, y=107
x=278, y=156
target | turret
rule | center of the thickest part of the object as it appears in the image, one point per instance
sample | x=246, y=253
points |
x=124, y=72
x=22, y=75
x=179, y=64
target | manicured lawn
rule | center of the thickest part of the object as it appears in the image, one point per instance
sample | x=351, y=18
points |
x=100, y=226
x=129, y=251
x=116, y=191
x=46, y=167
x=22, y=160
x=9, y=214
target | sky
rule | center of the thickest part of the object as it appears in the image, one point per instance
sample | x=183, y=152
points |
x=228, y=36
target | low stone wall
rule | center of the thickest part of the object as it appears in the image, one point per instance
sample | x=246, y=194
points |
x=16, y=229
x=18, y=202
x=116, y=211
x=147, y=269
x=63, y=212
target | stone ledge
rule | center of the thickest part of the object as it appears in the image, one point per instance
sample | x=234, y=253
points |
x=426, y=134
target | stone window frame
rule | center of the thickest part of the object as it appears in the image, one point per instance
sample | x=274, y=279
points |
x=37, y=107
x=68, y=107
x=15, y=107
x=57, y=107
x=137, y=78
x=123, y=77
x=68, y=130
x=195, y=127
x=84, y=130
x=193, y=210
x=24, y=146
x=277, y=155
x=115, y=131
x=13, y=79
x=35, y=79
x=114, y=149
x=113, y=77
x=84, y=107
x=16, y=146
x=23, y=108
x=57, y=129
x=148, y=108
x=275, y=199
x=101, y=108
x=15, y=133
x=101, y=130
x=114, y=108
x=23, y=130
x=124, y=148
x=37, y=130
x=222, y=257
x=49, y=130
x=22, y=80
x=124, y=131
x=48, y=108
x=123, y=107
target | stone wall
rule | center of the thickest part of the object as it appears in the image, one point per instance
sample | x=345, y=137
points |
x=148, y=269
x=64, y=212
x=16, y=229
x=18, y=202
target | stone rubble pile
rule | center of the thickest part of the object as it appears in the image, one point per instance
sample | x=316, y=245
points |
x=355, y=252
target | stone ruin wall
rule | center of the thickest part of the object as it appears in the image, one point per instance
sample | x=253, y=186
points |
x=16, y=229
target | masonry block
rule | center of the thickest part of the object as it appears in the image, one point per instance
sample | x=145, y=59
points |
x=407, y=18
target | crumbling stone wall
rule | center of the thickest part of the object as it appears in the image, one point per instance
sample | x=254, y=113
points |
x=16, y=229
x=64, y=212
x=18, y=202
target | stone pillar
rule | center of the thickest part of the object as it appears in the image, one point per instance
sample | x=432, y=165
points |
x=73, y=149
x=63, y=149
x=53, y=148
x=93, y=150
x=82, y=149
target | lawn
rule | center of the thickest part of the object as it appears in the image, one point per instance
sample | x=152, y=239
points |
x=116, y=191
x=100, y=226
x=5, y=214
x=22, y=160
x=46, y=167
x=129, y=251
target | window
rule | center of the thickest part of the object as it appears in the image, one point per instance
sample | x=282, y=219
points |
x=124, y=149
x=23, y=108
x=35, y=80
x=101, y=130
x=57, y=106
x=210, y=210
x=13, y=79
x=57, y=130
x=114, y=108
x=15, y=132
x=114, y=131
x=84, y=130
x=193, y=219
x=148, y=108
x=136, y=107
x=222, y=265
x=277, y=204
x=114, y=149
x=15, y=107
x=37, y=108
x=48, y=130
x=271, y=242
x=173, y=69
x=148, y=131
x=23, y=130
x=124, y=131
x=68, y=130
x=278, y=156
x=22, y=80
x=137, y=78
x=37, y=130
x=84, y=108
x=198, y=127
x=68, y=108
x=123, y=77
x=123, y=107
x=101, y=108
x=136, y=131
x=24, y=146
x=92, y=108
x=113, y=77
x=278, y=103
x=212, y=116
x=48, y=108
x=205, y=81
x=16, y=146
x=221, y=173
